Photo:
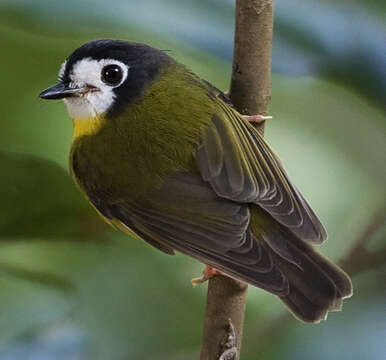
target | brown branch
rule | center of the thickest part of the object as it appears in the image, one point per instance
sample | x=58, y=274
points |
x=43, y=278
x=250, y=93
x=225, y=300
x=359, y=258
x=250, y=89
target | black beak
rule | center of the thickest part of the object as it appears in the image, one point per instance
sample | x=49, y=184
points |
x=60, y=91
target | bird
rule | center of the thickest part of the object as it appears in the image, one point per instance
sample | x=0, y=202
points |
x=162, y=155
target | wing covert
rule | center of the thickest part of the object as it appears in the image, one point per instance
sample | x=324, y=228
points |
x=238, y=163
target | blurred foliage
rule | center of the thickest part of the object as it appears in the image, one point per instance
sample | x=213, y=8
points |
x=344, y=41
x=49, y=193
x=126, y=300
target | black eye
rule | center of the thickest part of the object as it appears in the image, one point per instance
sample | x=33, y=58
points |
x=112, y=75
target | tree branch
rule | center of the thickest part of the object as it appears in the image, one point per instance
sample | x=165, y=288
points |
x=43, y=278
x=225, y=300
x=250, y=89
x=250, y=93
x=359, y=258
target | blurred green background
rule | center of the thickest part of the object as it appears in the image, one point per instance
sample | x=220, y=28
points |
x=73, y=289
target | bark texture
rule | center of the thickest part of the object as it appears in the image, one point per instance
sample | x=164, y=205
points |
x=250, y=90
x=225, y=300
x=250, y=93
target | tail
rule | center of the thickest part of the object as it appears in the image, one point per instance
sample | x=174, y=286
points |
x=316, y=285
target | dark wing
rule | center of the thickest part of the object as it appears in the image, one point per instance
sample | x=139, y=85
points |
x=241, y=167
x=185, y=214
x=207, y=215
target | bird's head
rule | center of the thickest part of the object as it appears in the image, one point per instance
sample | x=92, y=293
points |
x=103, y=77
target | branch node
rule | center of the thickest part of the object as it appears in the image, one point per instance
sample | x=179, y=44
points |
x=229, y=344
x=259, y=6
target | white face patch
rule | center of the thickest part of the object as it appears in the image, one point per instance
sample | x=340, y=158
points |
x=87, y=72
x=61, y=71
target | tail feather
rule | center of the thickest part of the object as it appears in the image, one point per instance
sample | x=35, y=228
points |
x=316, y=285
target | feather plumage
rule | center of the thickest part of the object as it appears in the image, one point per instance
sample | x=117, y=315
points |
x=181, y=169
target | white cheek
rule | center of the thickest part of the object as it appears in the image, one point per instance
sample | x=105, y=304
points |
x=94, y=103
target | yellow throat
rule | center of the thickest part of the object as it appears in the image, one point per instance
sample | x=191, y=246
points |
x=87, y=126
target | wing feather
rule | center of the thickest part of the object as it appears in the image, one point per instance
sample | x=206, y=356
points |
x=199, y=223
x=241, y=167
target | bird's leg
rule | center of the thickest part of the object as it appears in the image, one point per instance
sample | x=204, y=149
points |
x=256, y=119
x=207, y=273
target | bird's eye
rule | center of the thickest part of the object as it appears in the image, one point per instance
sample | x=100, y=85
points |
x=112, y=75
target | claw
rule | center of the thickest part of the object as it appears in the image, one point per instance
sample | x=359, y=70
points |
x=207, y=273
x=257, y=119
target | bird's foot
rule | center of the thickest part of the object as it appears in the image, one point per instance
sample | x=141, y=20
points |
x=256, y=119
x=229, y=345
x=207, y=273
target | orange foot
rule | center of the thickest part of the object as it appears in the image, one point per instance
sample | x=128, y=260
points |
x=207, y=273
x=257, y=119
